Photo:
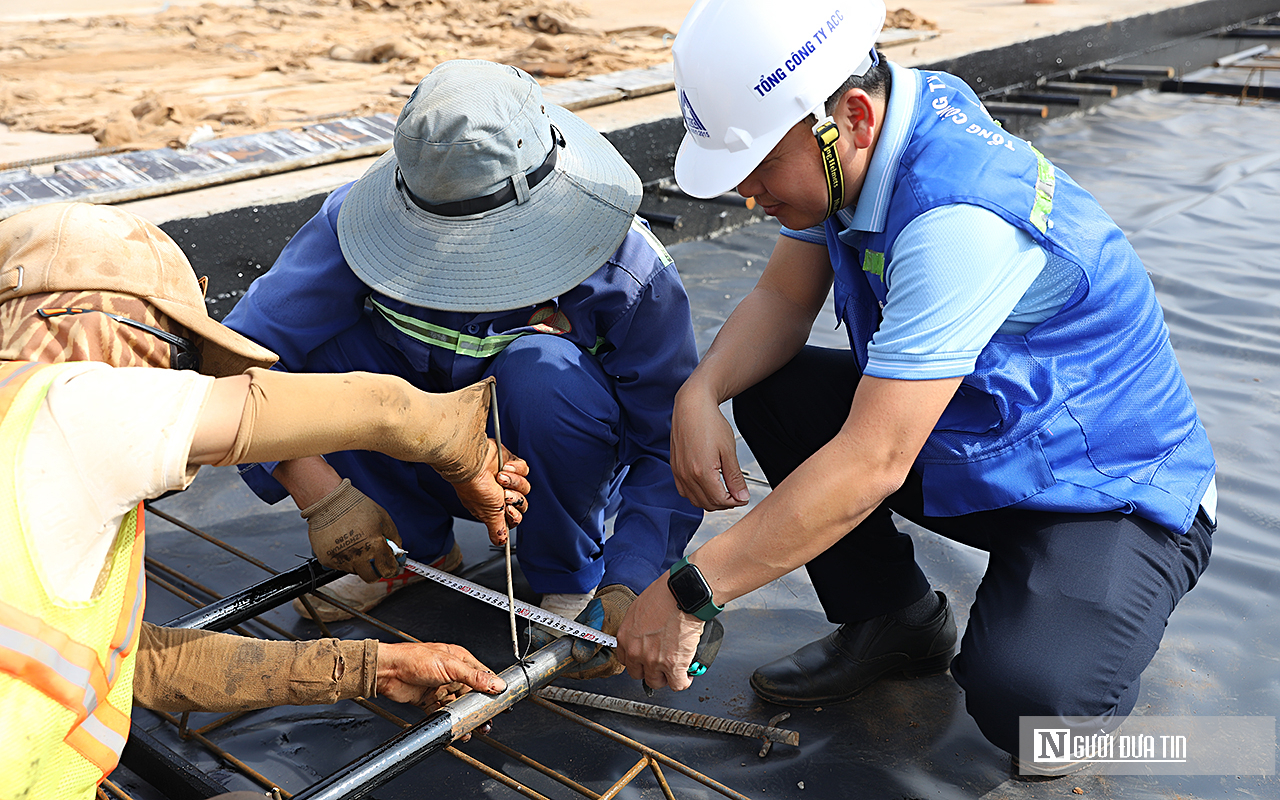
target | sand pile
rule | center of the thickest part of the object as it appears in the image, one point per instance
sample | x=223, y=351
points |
x=219, y=71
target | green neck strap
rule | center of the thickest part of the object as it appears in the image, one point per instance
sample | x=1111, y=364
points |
x=827, y=134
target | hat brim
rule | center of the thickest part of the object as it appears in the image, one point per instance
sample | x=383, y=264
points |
x=514, y=256
x=223, y=352
x=704, y=172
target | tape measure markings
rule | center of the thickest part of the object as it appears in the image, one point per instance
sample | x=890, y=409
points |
x=499, y=600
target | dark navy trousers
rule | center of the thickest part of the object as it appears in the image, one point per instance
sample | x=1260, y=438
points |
x=1072, y=606
x=557, y=411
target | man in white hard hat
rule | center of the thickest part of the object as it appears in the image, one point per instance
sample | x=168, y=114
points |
x=115, y=386
x=1010, y=385
x=498, y=238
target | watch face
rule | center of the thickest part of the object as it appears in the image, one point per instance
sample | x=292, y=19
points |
x=689, y=588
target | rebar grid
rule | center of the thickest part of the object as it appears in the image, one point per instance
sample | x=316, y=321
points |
x=650, y=758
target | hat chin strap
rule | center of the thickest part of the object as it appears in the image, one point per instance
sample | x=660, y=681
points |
x=827, y=133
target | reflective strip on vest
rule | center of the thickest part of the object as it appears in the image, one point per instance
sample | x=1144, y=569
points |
x=1045, y=178
x=458, y=342
x=70, y=673
x=873, y=262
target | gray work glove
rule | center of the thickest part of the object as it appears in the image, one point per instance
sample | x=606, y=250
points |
x=604, y=613
x=349, y=532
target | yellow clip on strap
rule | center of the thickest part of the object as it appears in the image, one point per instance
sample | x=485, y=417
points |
x=826, y=132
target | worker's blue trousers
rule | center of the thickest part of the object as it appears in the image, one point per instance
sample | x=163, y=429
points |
x=557, y=412
x=1072, y=606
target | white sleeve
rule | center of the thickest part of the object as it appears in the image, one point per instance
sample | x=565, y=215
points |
x=104, y=440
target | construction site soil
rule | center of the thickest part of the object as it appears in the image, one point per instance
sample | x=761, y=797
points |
x=222, y=70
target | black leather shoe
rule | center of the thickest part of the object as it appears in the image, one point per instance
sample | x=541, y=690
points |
x=836, y=668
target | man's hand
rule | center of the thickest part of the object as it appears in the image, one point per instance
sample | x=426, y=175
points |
x=657, y=640
x=429, y=675
x=704, y=457
x=604, y=613
x=348, y=531
x=497, y=498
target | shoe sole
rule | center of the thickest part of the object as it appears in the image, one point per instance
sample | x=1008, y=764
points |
x=920, y=668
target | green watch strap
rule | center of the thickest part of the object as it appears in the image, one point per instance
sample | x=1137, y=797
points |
x=707, y=610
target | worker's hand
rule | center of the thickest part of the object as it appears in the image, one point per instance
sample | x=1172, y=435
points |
x=657, y=641
x=497, y=498
x=429, y=674
x=704, y=456
x=348, y=531
x=604, y=613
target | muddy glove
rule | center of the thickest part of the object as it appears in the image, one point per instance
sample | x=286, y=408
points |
x=604, y=613
x=348, y=531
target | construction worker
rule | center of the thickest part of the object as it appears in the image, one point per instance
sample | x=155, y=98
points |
x=1010, y=385
x=89, y=297
x=498, y=237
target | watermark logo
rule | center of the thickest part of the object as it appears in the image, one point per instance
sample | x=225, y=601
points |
x=1151, y=745
x=1062, y=746
x=691, y=120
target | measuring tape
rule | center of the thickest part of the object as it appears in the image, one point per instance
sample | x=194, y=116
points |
x=498, y=600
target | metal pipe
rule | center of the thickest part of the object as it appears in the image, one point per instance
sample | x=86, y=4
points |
x=998, y=109
x=1044, y=98
x=669, y=189
x=1104, y=89
x=439, y=730
x=673, y=221
x=248, y=603
x=1243, y=55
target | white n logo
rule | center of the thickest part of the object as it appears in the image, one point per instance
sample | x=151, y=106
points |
x=1050, y=744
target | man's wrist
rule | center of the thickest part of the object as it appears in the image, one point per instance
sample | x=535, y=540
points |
x=691, y=591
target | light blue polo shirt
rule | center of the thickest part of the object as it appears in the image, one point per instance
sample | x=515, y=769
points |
x=957, y=274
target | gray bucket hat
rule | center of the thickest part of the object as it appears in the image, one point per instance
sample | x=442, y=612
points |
x=490, y=199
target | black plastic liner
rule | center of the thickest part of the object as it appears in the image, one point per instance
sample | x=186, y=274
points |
x=1195, y=182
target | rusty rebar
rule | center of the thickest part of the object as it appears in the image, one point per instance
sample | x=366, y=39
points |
x=545, y=770
x=464, y=718
x=666, y=760
x=676, y=716
x=245, y=769
x=505, y=780
x=625, y=779
x=661, y=779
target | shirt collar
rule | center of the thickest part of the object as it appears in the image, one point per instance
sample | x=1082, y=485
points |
x=872, y=206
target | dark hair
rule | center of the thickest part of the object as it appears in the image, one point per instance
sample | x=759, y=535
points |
x=876, y=82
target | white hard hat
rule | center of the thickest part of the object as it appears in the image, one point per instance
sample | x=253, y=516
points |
x=746, y=71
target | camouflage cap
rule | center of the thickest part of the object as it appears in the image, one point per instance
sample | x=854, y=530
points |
x=64, y=247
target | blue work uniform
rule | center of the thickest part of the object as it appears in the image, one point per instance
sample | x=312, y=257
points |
x=585, y=386
x=1071, y=452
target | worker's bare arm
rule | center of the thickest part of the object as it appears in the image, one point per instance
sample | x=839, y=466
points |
x=762, y=334
x=826, y=497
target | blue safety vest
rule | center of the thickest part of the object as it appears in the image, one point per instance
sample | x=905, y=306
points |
x=1086, y=412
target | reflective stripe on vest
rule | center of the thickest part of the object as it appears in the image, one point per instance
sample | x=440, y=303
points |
x=460, y=343
x=457, y=341
x=77, y=655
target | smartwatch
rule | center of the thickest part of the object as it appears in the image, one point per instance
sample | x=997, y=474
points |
x=691, y=591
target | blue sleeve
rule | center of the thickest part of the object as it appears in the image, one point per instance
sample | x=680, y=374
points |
x=308, y=297
x=815, y=235
x=653, y=352
x=954, y=277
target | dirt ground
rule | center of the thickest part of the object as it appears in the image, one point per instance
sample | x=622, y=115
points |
x=195, y=72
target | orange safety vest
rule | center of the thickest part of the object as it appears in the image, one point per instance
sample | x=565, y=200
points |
x=66, y=667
